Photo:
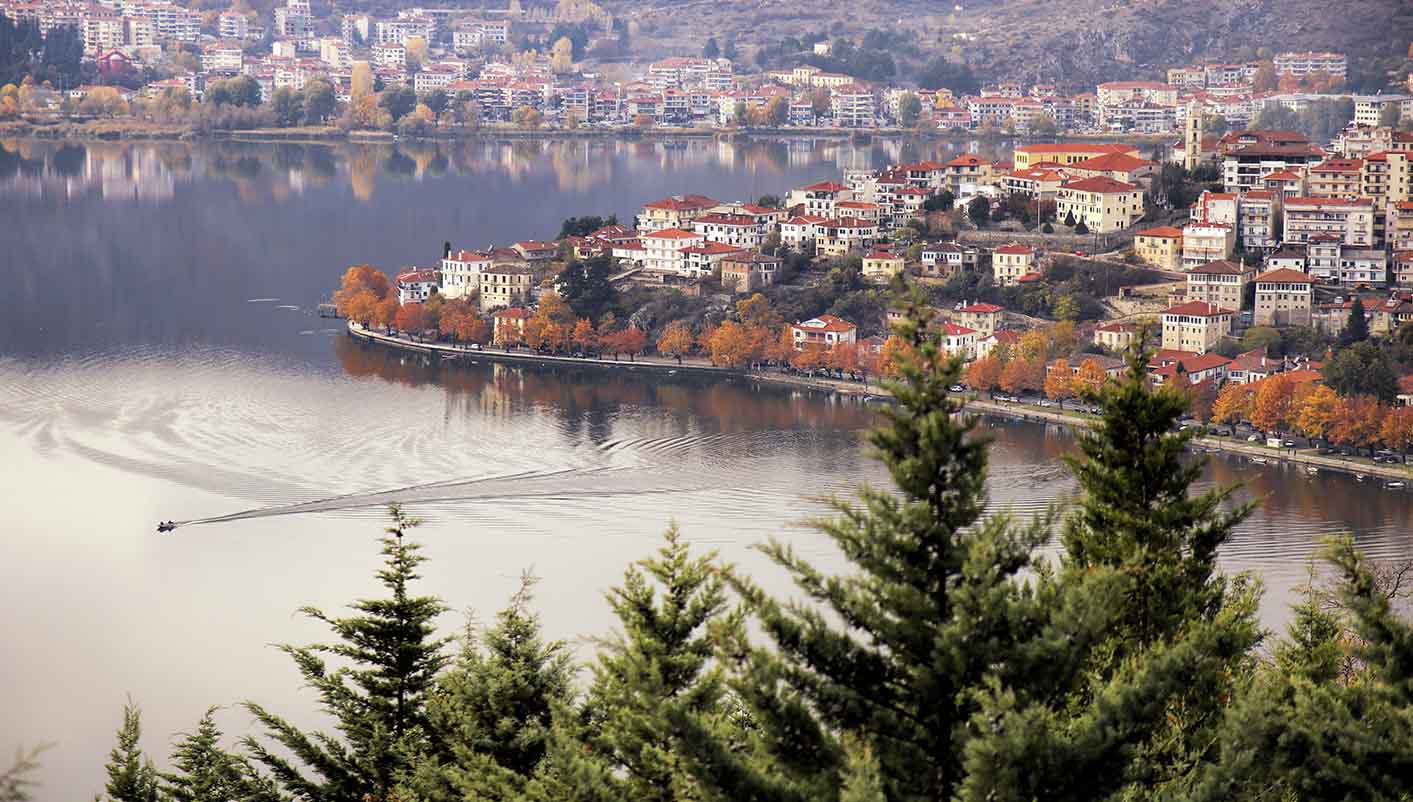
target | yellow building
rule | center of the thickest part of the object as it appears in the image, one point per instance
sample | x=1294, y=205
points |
x=882, y=265
x=1102, y=204
x=1028, y=156
x=1160, y=247
x=1195, y=326
x=1010, y=262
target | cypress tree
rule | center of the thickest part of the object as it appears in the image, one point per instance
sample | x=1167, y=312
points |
x=658, y=666
x=1356, y=326
x=490, y=715
x=131, y=776
x=377, y=700
x=1303, y=732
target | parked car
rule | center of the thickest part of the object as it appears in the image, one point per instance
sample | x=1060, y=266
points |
x=1255, y=438
x=956, y=388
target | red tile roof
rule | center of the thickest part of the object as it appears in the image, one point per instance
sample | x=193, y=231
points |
x=1197, y=309
x=672, y=233
x=953, y=330
x=1113, y=161
x=1077, y=147
x=1284, y=275
x=982, y=308
x=1015, y=248
x=1221, y=267
x=826, y=323
x=1100, y=184
x=1167, y=232
x=682, y=203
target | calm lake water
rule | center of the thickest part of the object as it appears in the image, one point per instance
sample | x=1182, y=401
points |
x=159, y=358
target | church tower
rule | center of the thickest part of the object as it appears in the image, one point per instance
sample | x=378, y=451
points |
x=1192, y=146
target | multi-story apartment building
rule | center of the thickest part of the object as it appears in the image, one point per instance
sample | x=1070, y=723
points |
x=819, y=198
x=1369, y=109
x=1259, y=220
x=233, y=25
x=1362, y=266
x=1244, y=166
x=1350, y=220
x=1303, y=64
x=1195, y=326
x=1160, y=247
x=853, y=106
x=101, y=32
x=1283, y=298
x=662, y=249
x=1400, y=226
x=389, y=54
x=1010, y=262
x=1336, y=178
x=1222, y=283
x=1102, y=204
x=839, y=236
x=1206, y=242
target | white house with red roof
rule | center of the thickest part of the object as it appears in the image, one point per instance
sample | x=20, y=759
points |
x=882, y=264
x=461, y=272
x=798, y=230
x=535, y=251
x=739, y=230
x=677, y=211
x=663, y=250
x=1195, y=326
x=1102, y=204
x=819, y=198
x=509, y=325
x=942, y=259
x=416, y=286
x=824, y=331
x=983, y=317
x=959, y=340
x=1182, y=367
x=839, y=236
x=1010, y=262
x=1283, y=298
x=705, y=259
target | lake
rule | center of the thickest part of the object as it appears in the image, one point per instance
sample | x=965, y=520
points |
x=160, y=359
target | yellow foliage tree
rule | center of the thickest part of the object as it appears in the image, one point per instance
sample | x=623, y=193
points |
x=676, y=341
x=1089, y=378
x=562, y=56
x=1058, y=381
x=1233, y=404
x=1317, y=412
x=730, y=345
x=360, y=81
x=526, y=117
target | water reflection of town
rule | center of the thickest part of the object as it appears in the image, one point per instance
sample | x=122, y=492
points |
x=150, y=171
x=587, y=399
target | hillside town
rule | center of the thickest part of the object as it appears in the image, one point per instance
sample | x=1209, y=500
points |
x=1252, y=259
x=427, y=69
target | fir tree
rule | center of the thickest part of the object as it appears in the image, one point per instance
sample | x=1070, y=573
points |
x=207, y=773
x=1138, y=516
x=377, y=701
x=658, y=666
x=491, y=713
x=931, y=612
x=131, y=776
x=1304, y=733
x=15, y=782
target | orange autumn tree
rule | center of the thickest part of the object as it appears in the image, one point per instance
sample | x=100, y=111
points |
x=781, y=347
x=1023, y=374
x=810, y=358
x=460, y=321
x=1271, y=403
x=1316, y=412
x=411, y=318
x=729, y=345
x=632, y=341
x=584, y=336
x=984, y=373
x=1089, y=378
x=1397, y=429
x=1357, y=421
x=676, y=341
x=363, y=285
x=1233, y=403
x=1058, y=381
x=844, y=357
x=893, y=351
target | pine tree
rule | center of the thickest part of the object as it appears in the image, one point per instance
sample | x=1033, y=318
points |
x=658, y=667
x=896, y=651
x=490, y=716
x=862, y=780
x=15, y=782
x=207, y=773
x=378, y=700
x=1303, y=733
x=131, y=776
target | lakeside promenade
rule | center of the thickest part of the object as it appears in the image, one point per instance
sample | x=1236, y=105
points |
x=1299, y=458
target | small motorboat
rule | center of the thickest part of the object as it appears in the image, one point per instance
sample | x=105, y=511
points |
x=1394, y=485
x=1259, y=460
x=1359, y=477
x=1311, y=469
x=166, y=526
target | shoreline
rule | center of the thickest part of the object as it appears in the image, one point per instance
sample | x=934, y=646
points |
x=1210, y=443
x=136, y=131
